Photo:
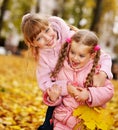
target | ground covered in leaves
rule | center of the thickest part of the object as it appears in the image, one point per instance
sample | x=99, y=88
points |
x=21, y=106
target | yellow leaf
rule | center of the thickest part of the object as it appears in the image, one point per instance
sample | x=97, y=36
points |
x=94, y=117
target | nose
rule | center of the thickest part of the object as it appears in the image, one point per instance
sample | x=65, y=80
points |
x=76, y=58
x=47, y=37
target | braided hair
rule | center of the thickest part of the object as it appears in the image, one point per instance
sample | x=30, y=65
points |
x=85, y=37
x=62, y=56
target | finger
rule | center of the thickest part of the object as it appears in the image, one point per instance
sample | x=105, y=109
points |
x=81, y=102
x=48, y=91
x=77, y=98
x=79, y=88
x=53, y=86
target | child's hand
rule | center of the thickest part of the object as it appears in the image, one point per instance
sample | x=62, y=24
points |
x=80, y=94
x=83, y=94
x=54, y=92
x=72, y=90
x=99, y=79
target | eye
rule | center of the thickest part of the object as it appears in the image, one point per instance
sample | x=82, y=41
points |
x=47, y=30
x=39, y=38
x=82, y=56
x=72, y=52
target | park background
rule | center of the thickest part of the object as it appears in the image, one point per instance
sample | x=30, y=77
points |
x=21, y=106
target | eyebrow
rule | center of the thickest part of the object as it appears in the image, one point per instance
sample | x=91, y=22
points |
x=47, y=29
x=37, y=38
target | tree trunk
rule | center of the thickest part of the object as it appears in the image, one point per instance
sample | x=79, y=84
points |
x=37, y=6
x=2, y=10
x=96, y=16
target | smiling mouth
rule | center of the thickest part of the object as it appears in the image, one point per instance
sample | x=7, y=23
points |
x=50, y=44
x=74, y=64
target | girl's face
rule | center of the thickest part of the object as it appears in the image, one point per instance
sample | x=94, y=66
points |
x=46, y=39
x=79, y=55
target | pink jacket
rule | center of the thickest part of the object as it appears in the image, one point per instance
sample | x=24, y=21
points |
x=48, y=57
x=98, y=96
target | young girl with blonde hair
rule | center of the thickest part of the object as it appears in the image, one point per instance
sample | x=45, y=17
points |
x=80, y=62
x=44, y=36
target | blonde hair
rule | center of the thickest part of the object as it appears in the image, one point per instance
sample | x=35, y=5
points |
x=31, y=26
x=85, y=37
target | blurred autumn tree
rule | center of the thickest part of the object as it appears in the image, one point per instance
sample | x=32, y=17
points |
x=99, y=16
x=11, y=12
x=87, y=13
x=81, y=13
x=90, y=14
x=2, y=10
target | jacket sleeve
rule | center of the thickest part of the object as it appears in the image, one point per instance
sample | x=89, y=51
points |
x=61, y=27
x=43, y=78
x=106, y=63
x=101, y=95
x=48, y=102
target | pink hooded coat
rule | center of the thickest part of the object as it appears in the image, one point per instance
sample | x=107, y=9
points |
x=98, y=96
x=48, y=57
